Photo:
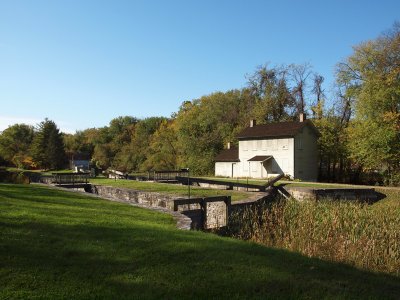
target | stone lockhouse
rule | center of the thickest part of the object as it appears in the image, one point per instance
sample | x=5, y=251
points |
x=268, y=150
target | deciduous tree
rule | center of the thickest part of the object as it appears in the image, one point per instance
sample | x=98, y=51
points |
x=372, y=77
x=15, y=142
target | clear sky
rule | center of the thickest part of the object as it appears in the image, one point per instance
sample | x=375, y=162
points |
x=82, y=63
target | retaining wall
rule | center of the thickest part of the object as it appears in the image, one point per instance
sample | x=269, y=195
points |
x=204, y=213
x=151, y=199
x=353, y=194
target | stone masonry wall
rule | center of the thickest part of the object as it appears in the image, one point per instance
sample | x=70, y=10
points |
x=216, y=213
x=153, y=200
x=302, y=193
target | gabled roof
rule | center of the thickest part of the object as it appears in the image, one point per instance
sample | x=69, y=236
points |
x=273, y=130
x=228, y=155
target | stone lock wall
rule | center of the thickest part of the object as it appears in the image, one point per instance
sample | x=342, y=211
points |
x=352, y=194
x=216, y=214
x=156, y=201
x=151, y=199
x=204, y=213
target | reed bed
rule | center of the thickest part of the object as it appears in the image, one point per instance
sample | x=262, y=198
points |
x=354, y=233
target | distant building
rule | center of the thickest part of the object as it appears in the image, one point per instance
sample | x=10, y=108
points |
x=264, y=151
x=80, y=162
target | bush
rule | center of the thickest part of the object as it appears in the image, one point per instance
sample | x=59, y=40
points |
x=391, y=179
x=13, y=177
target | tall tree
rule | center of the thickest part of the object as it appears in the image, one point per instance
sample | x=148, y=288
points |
x=102, y=150
x=163, y=151
x=15, y=143
x=319, y=93
x=273, y=99
x=204, y=125
x=78, y=144
x=300, y=75
x=372, y=77
x=48, y=146
x=133, y=154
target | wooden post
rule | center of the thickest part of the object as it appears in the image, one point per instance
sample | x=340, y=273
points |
x=189, y=184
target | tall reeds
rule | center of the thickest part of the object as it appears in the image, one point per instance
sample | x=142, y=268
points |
x=353, y=233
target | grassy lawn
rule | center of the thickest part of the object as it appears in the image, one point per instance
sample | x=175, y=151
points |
x=240, y=180
x=38, y=171
x=325, y=185
x=55, y=244
x=320, y=185
x=173, y=189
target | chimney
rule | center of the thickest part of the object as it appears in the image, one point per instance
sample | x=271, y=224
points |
x=228, y=145
x=302, y=117
x=252, y=123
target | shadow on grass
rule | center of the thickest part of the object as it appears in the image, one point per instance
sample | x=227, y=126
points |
x=113, y=256
x=153, y=262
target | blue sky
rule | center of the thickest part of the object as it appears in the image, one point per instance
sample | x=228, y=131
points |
x=82, y=63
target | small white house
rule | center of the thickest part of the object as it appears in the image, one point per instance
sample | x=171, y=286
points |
x=269, y=150
x=80, y=163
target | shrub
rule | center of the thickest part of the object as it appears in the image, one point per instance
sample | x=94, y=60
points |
x=13, y=177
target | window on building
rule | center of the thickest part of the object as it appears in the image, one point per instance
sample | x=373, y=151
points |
x=274, y=144
x=299, y=142
x=259, y=144
x=264, y=145
x=245, y=145
x=254, y=145
x=284, y=144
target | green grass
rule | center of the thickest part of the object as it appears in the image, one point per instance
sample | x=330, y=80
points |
x=17, y=170
x=320, y=185
x=55, y=244
x=240, y=180
x=283, y=182
x=317, y=185
x=173, y=189
x=324, y=185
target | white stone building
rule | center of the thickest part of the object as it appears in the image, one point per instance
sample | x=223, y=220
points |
x=264, y=151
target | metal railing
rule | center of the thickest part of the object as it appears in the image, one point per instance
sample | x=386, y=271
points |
x=70, y=178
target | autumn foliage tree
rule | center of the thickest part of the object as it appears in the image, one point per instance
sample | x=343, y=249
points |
x=15, y=142
x=372, y=77
x=360, y=126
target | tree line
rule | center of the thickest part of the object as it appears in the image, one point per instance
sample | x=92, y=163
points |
x=24, y=146
x=359, y=125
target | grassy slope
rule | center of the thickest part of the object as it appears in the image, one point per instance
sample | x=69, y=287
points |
x=391, y=200
x=174, y=189
x=55, y=244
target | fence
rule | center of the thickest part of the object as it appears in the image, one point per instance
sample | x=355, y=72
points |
x=228, y=184
x=70, y=178
x=168, y=175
